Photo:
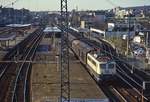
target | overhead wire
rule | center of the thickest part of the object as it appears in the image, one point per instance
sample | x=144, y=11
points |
x=11, y=3
x=111, y=3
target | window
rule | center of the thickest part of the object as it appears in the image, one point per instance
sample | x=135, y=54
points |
x=111, y=66
x=103, y=66
x=94, y=63
x=89, y=58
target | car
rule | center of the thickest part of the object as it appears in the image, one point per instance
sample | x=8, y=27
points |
x=139, y=51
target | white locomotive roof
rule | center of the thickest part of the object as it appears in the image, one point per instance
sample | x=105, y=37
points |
x=98, y=57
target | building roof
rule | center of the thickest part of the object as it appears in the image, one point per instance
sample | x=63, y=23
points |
x=18, y=25
x=51, y=29
x=100, y=56
x=84, y=30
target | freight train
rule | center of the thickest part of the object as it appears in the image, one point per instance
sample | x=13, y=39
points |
x=96, y=61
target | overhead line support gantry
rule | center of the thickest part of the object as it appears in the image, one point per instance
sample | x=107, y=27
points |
x=64, y=56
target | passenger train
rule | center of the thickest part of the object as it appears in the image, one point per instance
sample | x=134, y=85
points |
x=96, y=61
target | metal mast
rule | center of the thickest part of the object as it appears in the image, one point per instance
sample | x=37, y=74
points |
x=64, y=57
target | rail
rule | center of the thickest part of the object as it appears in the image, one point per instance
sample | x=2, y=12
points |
x=125, y=69
x=10, y=85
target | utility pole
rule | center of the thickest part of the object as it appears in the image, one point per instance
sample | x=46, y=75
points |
x=64, y=56
x=147, y=39
x=128, y=37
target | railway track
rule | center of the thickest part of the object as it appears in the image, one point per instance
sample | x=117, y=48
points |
x=121, y=88
x=14, y=79
x=124, y=92
x=133, y=78
x=22, y=83
x=130, y=93
x=13, y=54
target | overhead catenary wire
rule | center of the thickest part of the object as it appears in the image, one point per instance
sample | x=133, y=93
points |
x=123, y=72
x=106, y=49
x=11, y=3
x=112, y=3
x=117, y=58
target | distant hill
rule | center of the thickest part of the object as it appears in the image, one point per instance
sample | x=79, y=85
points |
x=138, y=7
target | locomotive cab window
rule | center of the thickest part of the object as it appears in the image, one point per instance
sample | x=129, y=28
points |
x=89, y=58
x=111, y=66
x=103, y=66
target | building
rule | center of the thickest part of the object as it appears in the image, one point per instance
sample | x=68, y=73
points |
x=119, y=29
x=14, y=16
x=137, y=11
x=93, y=18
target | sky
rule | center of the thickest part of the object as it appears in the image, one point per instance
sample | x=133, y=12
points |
x=51, y=5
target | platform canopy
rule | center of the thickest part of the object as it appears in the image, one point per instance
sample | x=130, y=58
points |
x=6, y=37
x=83, y=30
x=18, y=25
x=52, y=29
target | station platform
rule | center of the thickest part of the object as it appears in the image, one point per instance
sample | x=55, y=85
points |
x=9, y=40
x=45, y=80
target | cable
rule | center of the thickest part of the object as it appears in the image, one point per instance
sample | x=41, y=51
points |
x=113, y=4
x=126, y=65
x=12, y=3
